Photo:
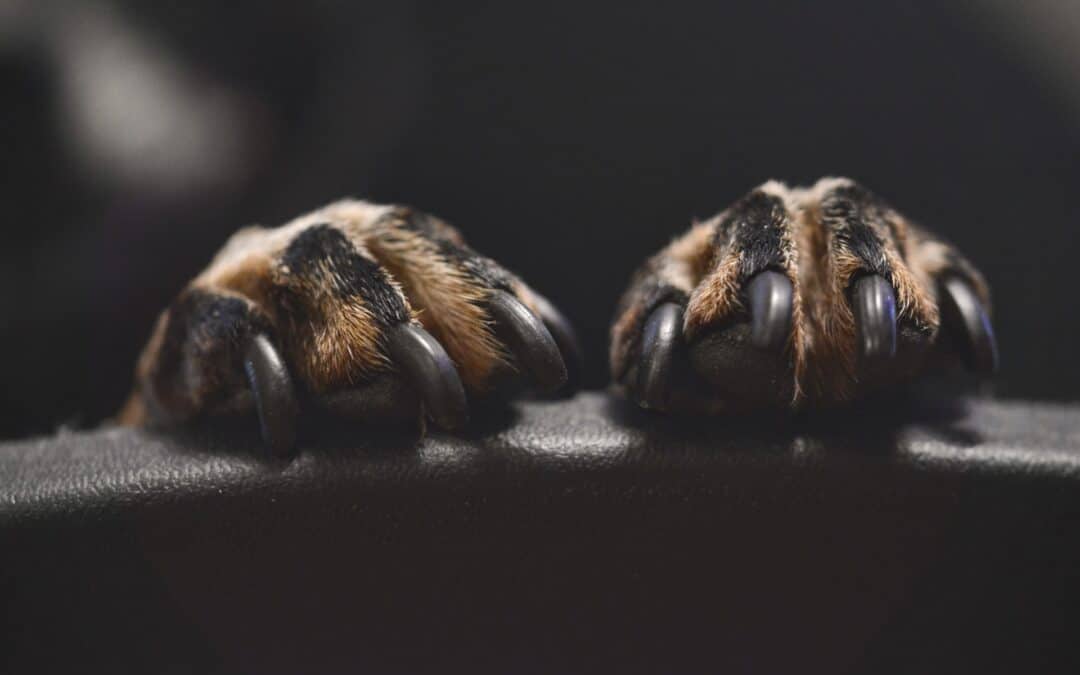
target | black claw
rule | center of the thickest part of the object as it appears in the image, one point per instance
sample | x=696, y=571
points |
x=661, y=337
x=771, y=296
x=874, y=302
x=960, y=302
x=428, y=368
x=566, y=338
x=275, y=398
x=529, y=341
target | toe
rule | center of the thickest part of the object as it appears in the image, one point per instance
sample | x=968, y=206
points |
x=660, y=339
x=429, y=369
x=529, y=340
x=770, y=296
x=965, y=314
x=874, y=303
x=565, y=337
x=275, y=398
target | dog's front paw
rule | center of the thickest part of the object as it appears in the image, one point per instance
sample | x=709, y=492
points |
x=797, y=297
x=374, y=312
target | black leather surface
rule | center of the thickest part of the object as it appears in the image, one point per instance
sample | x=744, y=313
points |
x=569, y=537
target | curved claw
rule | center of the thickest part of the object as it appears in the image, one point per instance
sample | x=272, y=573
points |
x=960, y=300
x=662, y=334
x=771, y=297
x=565, y=338
x=428, y=367
x=874, y=302
x=275, y=398
x=529, y=340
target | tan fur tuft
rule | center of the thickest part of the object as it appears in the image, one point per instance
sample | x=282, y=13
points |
x=449, y=301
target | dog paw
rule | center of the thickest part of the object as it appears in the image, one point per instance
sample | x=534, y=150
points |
x=372, y=312
x=797, y=297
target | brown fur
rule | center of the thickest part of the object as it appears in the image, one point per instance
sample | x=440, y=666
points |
x=831, y=370
x=822, y=345
x=680, y=266
x=331, y=342
x=449, y=301
x=337, y=344
x=932, y=257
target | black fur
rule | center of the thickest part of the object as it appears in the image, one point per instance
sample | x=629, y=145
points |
x=323, y=256
x=654, y=292
x=849, y=210
x=754, y=226
x=205, y=329
x=483, y=268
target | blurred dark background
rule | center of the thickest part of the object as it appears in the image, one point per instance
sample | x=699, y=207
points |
x=567, y=139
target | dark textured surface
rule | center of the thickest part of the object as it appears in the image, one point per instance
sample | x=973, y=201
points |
x=569, y=537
